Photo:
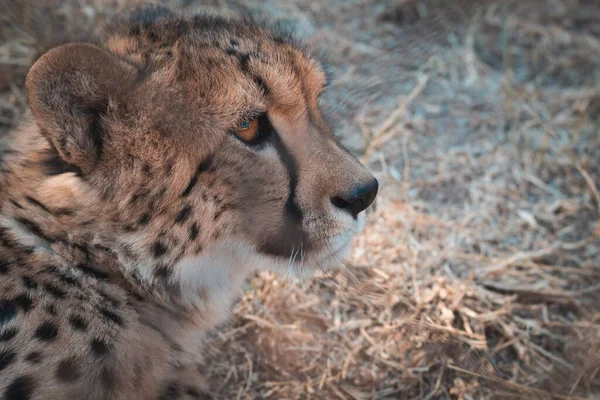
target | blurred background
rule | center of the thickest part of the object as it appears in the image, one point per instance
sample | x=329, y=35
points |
x=477, y=275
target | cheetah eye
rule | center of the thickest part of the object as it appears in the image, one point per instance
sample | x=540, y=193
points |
x=248, y=131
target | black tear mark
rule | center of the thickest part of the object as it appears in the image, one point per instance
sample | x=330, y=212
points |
x=288, y=161
x=291, y=237
x=202, y=167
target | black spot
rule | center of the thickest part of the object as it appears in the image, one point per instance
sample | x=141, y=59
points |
x=135, y=30
x=244, y=60
x=23, y=302
x=55, y=291
x=6, y=358
x=107, y=376
x=37, y=203
x=111, y=316
x=7, y=312
x=218, y=214
x=99, y=347
x=51, y=309
x=78, y=323
x=194, y=231
x=29, y=283
x=5, y=240
x=110, y=300
x=162, y=272
x=234, y=42
x=94, y=273
x=46, y=332
x=159, y=249
x=183, y=215
x=67, y=371
x=145, y=219
x=16, y=204
x=231, y=51
x=3, y=267
x=8, y=334
x=35, y=229
x=20, y=389
x=69, y=280
x=129, y=228
x=153, y=36
x=172, y=392
x=193, y=393
x=64, y=211
x=202, y=167
x=35, y=357
x=143, y=193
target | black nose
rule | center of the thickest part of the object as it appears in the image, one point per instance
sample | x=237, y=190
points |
x=357, y=199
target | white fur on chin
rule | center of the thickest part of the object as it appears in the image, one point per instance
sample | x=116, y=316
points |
x=212, y=280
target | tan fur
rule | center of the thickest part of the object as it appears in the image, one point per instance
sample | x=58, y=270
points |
x=130, y=213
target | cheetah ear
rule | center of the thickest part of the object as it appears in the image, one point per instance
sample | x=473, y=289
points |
x=70, y=90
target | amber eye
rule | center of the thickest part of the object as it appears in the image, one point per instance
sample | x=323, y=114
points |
x=248, y=130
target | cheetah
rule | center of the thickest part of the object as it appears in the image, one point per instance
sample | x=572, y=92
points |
x=156, y=169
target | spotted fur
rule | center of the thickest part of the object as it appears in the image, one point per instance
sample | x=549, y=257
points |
x=130, y=214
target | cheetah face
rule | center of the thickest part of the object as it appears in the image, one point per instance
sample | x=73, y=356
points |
x=198, y=136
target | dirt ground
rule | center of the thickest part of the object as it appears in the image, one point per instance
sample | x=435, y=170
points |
x=477, y=274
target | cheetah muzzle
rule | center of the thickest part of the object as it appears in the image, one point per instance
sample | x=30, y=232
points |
x=156, y=170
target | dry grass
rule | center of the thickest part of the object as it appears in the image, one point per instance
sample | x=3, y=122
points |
x=478, y=274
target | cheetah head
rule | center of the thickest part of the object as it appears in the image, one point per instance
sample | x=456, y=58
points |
x=197, y=140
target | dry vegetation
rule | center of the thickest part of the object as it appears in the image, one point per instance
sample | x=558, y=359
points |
x=478, y=273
